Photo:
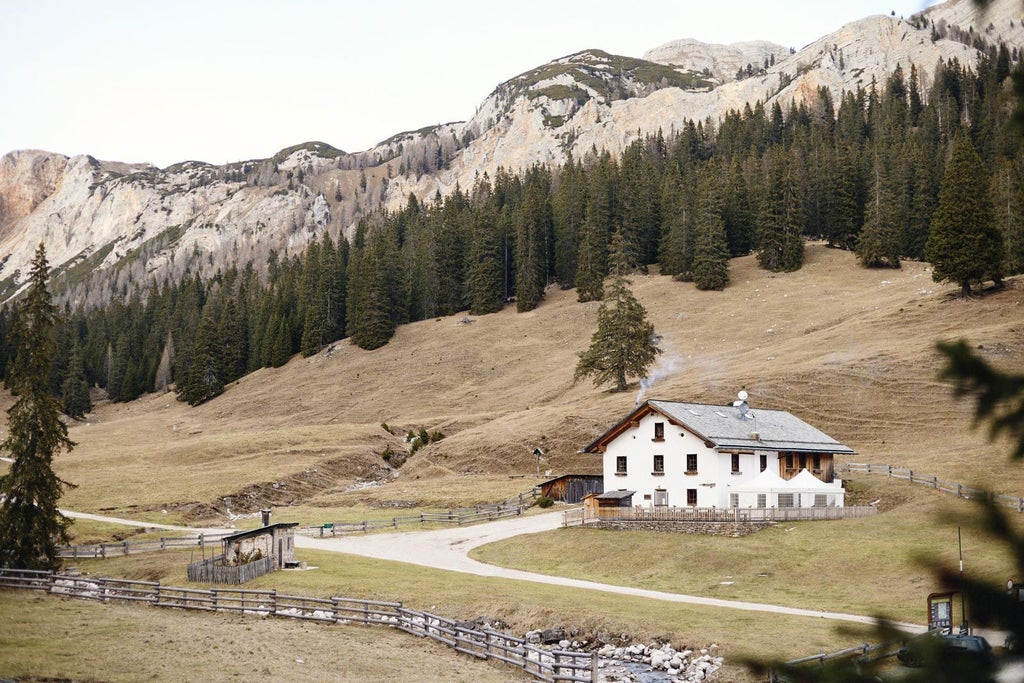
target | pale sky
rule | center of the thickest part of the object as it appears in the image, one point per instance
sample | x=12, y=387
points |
x=164, y=81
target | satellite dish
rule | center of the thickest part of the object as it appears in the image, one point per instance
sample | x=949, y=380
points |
x=742, y=395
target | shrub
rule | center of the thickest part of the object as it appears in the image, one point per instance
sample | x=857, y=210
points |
x=545, y=502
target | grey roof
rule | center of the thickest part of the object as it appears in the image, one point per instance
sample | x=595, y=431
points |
x=615, y=495
x=259, y=531
x=725, y=428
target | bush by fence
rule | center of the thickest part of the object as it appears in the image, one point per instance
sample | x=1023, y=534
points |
x=931, y=481
x=485, y=644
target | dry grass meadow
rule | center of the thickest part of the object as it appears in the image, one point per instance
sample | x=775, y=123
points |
x=848, y=349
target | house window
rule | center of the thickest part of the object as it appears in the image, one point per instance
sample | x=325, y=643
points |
x=620, y=464
x=734, y=500
x=736, y=463
x=659, y=464
x=789, y=461
x=691, y=463
x=659, y=431
x=762, y=500
x=817, y=463
x=820, y=500
x=785, y=500
x=691, y=497
x=661, y=498
x=764, y=462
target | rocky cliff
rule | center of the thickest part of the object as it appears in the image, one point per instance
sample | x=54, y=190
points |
x=110, y=225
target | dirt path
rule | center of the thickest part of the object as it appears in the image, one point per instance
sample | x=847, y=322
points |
x=448, y=549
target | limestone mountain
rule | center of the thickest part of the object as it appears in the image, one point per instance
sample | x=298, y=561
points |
x=109, y=226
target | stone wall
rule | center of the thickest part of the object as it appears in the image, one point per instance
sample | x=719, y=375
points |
x=733, y=529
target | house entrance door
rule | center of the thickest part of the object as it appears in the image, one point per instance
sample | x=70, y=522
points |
x=660, y=498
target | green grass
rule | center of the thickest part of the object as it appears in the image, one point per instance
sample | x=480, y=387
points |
x=877, y=565
x=521, y=605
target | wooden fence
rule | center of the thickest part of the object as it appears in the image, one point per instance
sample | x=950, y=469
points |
x=580, y=516
x=484, y=644
x=862, y=653
x=104, y=550
x=212, y=570
x=931, y=481
x=512, y=507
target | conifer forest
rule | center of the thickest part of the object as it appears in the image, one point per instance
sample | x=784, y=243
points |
x=893, y=171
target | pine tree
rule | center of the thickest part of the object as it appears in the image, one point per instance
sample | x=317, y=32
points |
x=1008, y=202
x=596, y=231
x=484, y=278
x=624, y=343
x=569, y=209
x=964, y=246
x=879, y=242
x=710, y=247
x=533, y=241
x=31, y=526
x=75, y=389
x=204, y=379
x=164, y=377
x=781, y=246
x=676, y=247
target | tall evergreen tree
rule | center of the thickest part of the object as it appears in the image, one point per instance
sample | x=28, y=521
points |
x=965, y=246
x=569, y=210
x=676, y=247
x=879, y=242
x=532, y=242
x=75, y=388
x=485, y=273
x=710, y=246
x=592, y=261
x=204, y=379
x=624, y=343
x=781, y=246
x=1008, y=204
x=31, y=525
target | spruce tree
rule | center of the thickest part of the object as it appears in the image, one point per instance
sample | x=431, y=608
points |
x=879, y=242
x=781, y=246
x=676, y=247
x=710, y=247
x=964, y=246
x=532, y=242
x=624, y=343
x=204, y=378
x=31, y=525
x=75, y=388
x=484, y=279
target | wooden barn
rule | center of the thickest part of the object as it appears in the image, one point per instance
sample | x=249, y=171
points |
x=572, y=488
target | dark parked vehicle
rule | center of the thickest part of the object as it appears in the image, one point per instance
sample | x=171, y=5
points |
x=945, y=647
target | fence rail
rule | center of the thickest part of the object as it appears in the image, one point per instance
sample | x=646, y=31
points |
x=104, y=550
x=544, y=665
x=512, y=507
x=693, y=514
x=863, y=653
x=931, y=481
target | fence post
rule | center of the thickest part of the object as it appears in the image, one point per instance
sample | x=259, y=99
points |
x=911, y=472
x=1020, y=505
x=213, y=594
x=103, y=551
x=888, y=469
x=959, y=493
x=125, y=546
x=593, y=666
x=202, y=542
x=156, y=593
x=273, y=601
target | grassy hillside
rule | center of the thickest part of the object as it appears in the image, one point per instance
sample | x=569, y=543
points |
x=848, y=349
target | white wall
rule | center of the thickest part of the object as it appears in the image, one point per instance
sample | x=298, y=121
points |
x=639, y=448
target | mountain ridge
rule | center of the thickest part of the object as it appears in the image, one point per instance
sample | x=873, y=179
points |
x=129, y=223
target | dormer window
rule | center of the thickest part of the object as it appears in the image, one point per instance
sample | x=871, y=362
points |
x=659, y=431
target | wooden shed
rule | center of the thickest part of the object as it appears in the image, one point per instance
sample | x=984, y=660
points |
x=572, y=488
x=274, y=540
